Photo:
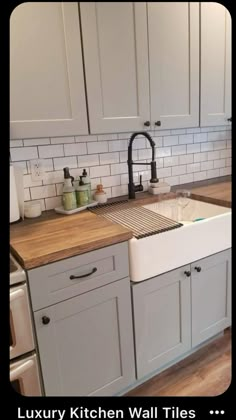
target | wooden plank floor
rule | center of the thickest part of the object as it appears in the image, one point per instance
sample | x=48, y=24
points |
x=205, y=373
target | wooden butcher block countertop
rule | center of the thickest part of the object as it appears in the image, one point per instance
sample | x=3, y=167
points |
x=53, y=237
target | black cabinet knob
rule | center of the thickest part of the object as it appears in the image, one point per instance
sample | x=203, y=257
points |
x=147, y=123
x=187, y=273
x=158, y=123
x=45, y=320
x=229, y=119
x=198, y=269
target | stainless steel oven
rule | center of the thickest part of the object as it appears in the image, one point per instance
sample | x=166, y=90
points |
x=24, y=369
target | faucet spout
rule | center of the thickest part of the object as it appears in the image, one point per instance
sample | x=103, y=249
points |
x=131, y=187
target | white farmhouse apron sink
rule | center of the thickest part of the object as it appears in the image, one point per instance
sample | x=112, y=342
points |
x=194, y=240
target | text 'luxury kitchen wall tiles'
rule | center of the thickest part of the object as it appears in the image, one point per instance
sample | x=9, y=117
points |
x=183, y=156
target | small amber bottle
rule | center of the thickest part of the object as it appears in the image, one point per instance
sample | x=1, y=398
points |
x=100, y=195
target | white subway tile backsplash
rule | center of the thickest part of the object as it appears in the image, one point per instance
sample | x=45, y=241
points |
x=170, y=140
x=62, y=140
x=213, y=155
x=88, y=160
x=225, y=153
x=98, y=171
x=119, y=168
x=171, y=161
x=109, y=181
x=106, y=158
x=144, y=154
x=185, y=179
x=179, y=131
x=185, y=159
x=97, y=147
x=207, y=165
x=201, y=152
x=85, y=139
x=199, y=176
x=119, y=190
x=172, y=180
x=28, y=182
x=36, y=142
x=42, y=203
x=205, y=147
x=217, y=145
x=193, y=167
x=163, y=151
x=186, y=139
x=52, y=202
x=193, y=148
x=16, y=143
x=59, y=189
x=118, y=145
x=104, y=137
x=179, y=170
x=219, y=163
x=124, y=155
x=51, y=151
x=193, y=130
x=164, y=172
x=23, y=153
x=225, y=171
x=60, y=163
x=200, y=137
x=213, y=173
x=157, y=140
x=43, y=192
x=73, y=149
x=219, y=135
x=179, y=150
x=199, y=157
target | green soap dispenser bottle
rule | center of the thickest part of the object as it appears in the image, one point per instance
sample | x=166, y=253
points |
x=87, y=182
x=68, y=192
x=82, y=193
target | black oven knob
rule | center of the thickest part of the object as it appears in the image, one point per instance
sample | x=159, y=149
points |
x=45, y=320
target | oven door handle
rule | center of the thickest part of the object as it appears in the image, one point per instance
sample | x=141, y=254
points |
x=16, y=295
x=18, y=371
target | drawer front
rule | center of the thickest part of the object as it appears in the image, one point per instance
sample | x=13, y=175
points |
x=64, y=279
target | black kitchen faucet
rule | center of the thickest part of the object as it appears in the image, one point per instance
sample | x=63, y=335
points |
x=133, y=188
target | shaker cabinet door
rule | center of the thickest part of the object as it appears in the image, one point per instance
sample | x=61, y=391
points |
x=211, y=296
x=161, y=307
x=86, y=343
x=47, y=95
x=116, y=65
x=174, y=64
x=215, y=64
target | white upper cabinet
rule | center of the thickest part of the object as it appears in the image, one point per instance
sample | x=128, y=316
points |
x=215, y=64
x=174, y=63
x=116, y=65
x=47, y=95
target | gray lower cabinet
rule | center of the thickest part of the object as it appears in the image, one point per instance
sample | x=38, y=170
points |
x=211, y=296
x=86, y=342
x=162, y=319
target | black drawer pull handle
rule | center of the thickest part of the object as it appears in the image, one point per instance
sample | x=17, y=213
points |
x=187, y=273
x=83, y=275
x=198, y=269
x=229, y=119
x=158, y=123
x=147, y=123
x=45, y=320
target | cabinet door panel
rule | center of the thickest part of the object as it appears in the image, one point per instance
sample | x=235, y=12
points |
x=215, y=64
x=162, y=320
x=211, y=296
x=87, y=348
x=174, y=63
x=47, y=93
x=116, y=65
